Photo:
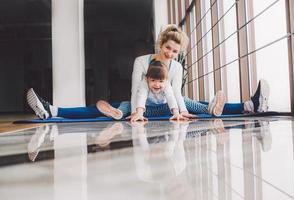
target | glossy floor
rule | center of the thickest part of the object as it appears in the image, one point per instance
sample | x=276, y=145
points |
x=207, y=159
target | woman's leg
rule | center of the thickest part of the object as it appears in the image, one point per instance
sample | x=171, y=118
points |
x=44, y=109
x=230, y=108
x=79, y=112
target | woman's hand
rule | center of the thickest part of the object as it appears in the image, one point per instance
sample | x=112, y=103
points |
x=188, y=115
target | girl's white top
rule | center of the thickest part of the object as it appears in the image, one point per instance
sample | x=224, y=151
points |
x=146, y=97
x=175, y=75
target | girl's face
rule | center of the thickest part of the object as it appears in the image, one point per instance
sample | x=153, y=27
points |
x=155, y=85
x=169, y=50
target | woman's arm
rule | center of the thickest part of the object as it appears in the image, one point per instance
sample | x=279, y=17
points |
x=176, y=85
x=138, y=72
x=141, y=97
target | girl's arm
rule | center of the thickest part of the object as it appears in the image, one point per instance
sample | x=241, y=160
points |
x=138, y=115
x=170, y=97
x=172, y=103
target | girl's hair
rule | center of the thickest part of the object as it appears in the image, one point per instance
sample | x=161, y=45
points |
x=157, y=70
x=172, y=32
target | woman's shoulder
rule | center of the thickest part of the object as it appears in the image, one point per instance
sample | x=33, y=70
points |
x=143, y=58
x=175, y=62
x=176, y=65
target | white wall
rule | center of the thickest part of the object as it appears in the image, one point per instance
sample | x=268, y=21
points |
x=68, y=53
x=160, y=15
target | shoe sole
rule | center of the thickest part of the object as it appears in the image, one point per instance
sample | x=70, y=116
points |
x=108, y=110
x=32, y=100
x=220, y=103
x=264, y=89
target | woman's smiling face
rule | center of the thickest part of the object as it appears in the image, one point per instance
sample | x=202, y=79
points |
x=169, y=50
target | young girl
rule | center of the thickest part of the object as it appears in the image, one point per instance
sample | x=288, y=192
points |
x=153, y=90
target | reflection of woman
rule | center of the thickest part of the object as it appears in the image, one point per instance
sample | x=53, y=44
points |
x=171, y=42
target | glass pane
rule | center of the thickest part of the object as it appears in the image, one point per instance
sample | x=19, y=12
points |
x=207, y=46
x=272, y=61
x=229, y=52
x=25, y=52
x=115, y=34
x=193, y=53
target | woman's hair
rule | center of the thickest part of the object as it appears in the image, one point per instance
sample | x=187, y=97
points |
x=157, y=70
x=172, y=32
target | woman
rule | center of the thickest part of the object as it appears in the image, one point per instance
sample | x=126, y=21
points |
x=171, y=42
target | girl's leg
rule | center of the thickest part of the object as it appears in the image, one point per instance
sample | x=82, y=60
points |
x=161, y=110
x=125, y=108
x=196, y=107
x=157, y=111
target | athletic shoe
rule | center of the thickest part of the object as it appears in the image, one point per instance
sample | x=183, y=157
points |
x=109, y=111
x=39, y=106
x=216, y=106
x=36, y=141
x=259, y=101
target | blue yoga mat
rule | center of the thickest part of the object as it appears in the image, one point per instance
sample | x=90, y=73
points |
x=99, y=119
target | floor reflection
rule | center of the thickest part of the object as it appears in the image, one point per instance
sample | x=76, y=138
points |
x=162, y=160
x=208, y=159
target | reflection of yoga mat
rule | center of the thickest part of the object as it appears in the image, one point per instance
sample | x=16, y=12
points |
x=98, y=119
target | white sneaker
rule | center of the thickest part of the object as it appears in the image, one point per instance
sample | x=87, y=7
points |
x=259, y=101
x=39, y=106
x=36, y=141
x=216, y=106
x=105, y=108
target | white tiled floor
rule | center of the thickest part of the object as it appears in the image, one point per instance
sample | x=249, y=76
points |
x=210, y=159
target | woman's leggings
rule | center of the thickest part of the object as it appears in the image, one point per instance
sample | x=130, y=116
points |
x=193, y=106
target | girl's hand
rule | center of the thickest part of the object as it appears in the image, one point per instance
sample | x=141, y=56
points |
x=188, y=115
x=137, y=117
x=129, y=117
x=179, y=117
